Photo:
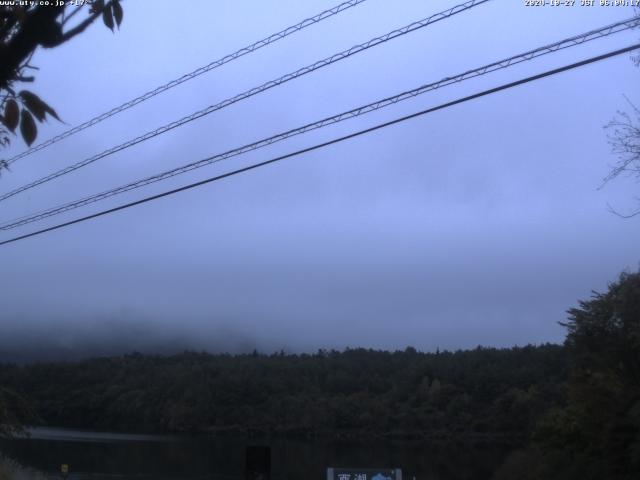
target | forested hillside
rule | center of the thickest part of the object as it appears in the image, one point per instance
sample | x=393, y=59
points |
x=355, y=392
x=574, y=409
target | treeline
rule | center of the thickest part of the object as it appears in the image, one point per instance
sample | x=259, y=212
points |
x=575, y=408
x=481, y=392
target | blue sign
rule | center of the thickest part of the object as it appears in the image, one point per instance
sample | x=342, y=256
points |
x=364, y=474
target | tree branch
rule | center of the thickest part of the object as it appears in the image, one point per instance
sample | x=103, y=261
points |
x=38, y=28
x=71, y=15
x=82, y=26
x=625, y=142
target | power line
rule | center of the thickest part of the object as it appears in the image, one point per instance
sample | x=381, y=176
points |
x=331, y=142
x=195, y=73
x=501, y=64
x=254, y=91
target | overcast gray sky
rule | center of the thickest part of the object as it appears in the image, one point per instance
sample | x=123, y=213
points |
x=479, y=224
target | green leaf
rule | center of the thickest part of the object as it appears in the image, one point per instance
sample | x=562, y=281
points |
x=11, y=114
x=28, y=127
x=107, y=18
x=117, y=12
x=37, y=106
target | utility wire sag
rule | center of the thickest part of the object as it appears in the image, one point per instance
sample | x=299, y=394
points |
x=254, y=91
x=331, y=142
x=191, y=75
x=498, y=65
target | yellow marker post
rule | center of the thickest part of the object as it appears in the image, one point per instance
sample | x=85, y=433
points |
x=64, y=469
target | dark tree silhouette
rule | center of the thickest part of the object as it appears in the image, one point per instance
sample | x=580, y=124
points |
x=625, y=143
x=482, y=393
x=597, y=434
x=25, y=28
x=624, y=138
x=15, y=410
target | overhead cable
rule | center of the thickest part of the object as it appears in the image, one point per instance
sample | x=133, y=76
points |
x=254, y=91
x=498, y=65
x=191, y=75
x=330, y=142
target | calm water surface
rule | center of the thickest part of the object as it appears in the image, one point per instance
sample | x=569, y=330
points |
x=129, y=456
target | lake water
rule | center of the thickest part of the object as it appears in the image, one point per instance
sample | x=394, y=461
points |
x=117, y=456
